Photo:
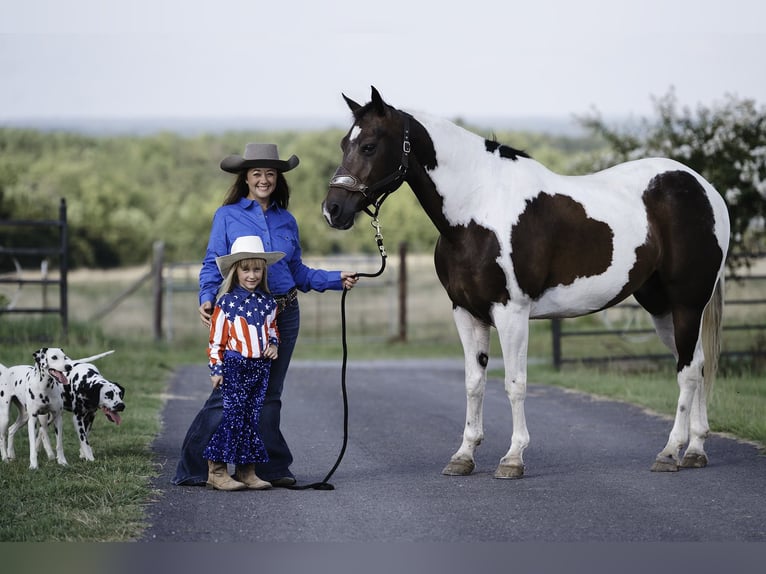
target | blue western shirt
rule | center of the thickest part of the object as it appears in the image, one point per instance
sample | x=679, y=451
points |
x=279, y=231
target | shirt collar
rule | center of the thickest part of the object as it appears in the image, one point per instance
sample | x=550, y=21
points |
x=241, y=292
x=246, y=203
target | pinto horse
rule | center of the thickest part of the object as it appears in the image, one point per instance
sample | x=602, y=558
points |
x=519, y=242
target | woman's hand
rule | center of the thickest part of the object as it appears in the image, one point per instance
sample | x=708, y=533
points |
x=216, y=380
x=349, y=279
x=205, y=312
x=271, y=352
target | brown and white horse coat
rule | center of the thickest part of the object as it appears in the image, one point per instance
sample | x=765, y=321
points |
x=519, y=242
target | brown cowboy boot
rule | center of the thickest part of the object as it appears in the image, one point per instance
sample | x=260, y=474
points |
x=246, y=474
x=218, y=477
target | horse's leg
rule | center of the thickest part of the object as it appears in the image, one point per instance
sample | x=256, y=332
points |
x=512, y=322
x=695, y=456
x=712, y=317
x=474, y=335
x=686, y=325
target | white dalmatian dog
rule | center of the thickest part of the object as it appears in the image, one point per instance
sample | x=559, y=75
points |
x=87, y=393
x=38, y=393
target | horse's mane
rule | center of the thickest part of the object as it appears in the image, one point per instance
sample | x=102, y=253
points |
x=505, y=151
x=492, y=145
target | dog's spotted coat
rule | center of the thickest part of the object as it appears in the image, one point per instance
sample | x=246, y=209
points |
x=87, y=393
x=38, y=393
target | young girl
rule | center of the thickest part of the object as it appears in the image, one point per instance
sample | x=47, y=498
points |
x=243, y=341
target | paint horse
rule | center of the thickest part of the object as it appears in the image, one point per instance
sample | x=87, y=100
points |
x=519, y=242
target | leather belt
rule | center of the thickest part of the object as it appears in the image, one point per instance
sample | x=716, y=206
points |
x=283, y=301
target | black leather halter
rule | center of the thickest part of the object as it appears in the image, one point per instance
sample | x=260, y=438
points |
x=377, y=193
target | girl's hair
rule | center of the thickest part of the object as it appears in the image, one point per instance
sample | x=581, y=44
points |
x=230, y=281
x=239, y=189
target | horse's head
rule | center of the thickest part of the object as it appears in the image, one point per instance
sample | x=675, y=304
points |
x=375, y=160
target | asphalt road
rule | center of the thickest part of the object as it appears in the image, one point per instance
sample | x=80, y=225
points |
x=587, y=477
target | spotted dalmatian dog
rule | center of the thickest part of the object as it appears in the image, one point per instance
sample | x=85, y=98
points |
x=38, y=393
x=87, y=393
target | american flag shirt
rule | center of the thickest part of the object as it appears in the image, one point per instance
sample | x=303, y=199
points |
x=244, y=322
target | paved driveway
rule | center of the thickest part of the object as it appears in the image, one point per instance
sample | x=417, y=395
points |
x=587, y=475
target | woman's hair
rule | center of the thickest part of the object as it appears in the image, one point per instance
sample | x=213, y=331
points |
x=239, y=189
x=230, y=281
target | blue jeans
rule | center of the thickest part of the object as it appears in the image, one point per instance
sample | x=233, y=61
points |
x=192, y=466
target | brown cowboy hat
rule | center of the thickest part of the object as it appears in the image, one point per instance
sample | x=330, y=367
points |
x=258, y=155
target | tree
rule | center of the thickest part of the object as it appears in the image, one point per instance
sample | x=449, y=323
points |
x=726, y=144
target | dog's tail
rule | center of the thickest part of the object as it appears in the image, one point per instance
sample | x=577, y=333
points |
x=93, y=357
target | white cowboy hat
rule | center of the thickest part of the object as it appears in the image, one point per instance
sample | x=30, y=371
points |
x=246, y=247
x=258, y=155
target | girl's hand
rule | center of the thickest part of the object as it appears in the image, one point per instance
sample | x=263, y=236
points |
x=271, y=352
x=216, y=380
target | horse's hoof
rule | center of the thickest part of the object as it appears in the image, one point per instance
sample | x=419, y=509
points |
x=459, y=467
x=665, y=464
x=694, y=460
x=509, y=471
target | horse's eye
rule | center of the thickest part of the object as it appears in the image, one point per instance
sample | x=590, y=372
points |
x=368, y=149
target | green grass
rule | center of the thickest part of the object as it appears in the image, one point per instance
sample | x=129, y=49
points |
x=105, y=500
x=102, y=500
x=736, y=405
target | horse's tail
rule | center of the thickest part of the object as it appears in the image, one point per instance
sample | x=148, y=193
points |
x=712, y=329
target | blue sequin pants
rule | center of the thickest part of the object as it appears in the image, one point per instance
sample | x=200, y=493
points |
x=237, y=440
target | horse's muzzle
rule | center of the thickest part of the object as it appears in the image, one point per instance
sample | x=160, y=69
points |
x=333, y=213
x=346, y=196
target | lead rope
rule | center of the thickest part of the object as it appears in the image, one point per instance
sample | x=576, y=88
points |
x=324, y=485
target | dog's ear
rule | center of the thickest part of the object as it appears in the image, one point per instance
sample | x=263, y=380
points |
x=39, y=355
x=91, y=394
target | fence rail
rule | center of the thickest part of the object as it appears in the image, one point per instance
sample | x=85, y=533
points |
x=753, y=320
x=407, y=303
x=377, y=309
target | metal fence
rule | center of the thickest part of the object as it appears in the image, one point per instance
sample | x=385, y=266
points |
x=13, y=278
x=625, y=332
x=405, y=303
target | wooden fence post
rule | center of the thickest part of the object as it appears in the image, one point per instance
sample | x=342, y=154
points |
x=157, y=267
x=403, y=291
x=556, y=342
x=63, y=269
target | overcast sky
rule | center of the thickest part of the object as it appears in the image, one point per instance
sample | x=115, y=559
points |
x=294, y=58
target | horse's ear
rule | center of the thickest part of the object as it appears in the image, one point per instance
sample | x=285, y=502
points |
x=377, y=102
x=351, y=103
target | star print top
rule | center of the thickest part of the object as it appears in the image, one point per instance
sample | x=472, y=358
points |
x=244, y=322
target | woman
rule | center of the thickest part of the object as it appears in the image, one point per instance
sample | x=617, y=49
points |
x=256, y=204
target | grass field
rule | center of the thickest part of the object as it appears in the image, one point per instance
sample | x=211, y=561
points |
x=105, y=500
